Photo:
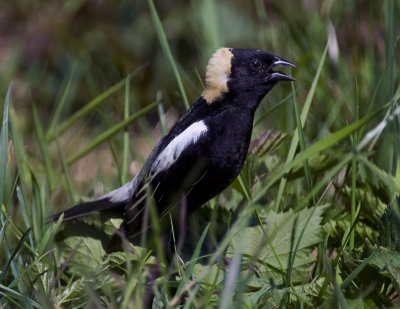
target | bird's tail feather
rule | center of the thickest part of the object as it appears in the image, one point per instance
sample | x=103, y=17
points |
x=86, y=208
x=114, y=200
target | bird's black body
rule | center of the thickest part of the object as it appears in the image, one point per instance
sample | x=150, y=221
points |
x=206, y=149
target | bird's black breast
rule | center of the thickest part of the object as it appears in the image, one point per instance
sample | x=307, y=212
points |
x=205, y=167
x=230, y=132
x=208, y=166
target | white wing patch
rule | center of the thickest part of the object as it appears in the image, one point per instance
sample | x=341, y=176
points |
x=175, y=148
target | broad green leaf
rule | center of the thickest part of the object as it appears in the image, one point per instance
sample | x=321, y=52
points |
x=89, y=255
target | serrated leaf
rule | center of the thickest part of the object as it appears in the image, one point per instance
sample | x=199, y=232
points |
x=372, y=207
x=388, y=263
x=275, y=252
x=318, y=163
x=389, y=227
x=337, y=227
x=135, y=254
x=383, y=181
x=74, y=291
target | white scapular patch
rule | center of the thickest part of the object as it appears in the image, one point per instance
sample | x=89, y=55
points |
x=175, y=148
x=217, y=74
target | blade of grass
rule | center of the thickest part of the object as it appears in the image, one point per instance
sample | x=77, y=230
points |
x=353, y=199
x=125, y=138
x=345, y=241
x=274, y=108
x=24, y=213
x=3, y=148
x=48, y=235
x=43, y=147
x=300, y=125
x=10, y=260
x=13, y=294
x=37, y=208
x=341, y=300
x=84, y=110
x=210, y=25
x=355, y=272
x=62, y=100
x=20, y=156
x=302, y=233
x=185, y=282
x=354, y=140
x=287, y=282
x=3, y=230
x=110, y=132
x=64, y=164
x=327, y=178
x=228, y=292
x=244, y=187
x=269, y=242
x=167, y=51
x=303, y=117
x=390, y=56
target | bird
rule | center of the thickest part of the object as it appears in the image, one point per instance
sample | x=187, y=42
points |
x=205, y=150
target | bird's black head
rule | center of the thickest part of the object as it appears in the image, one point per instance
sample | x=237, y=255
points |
x=245, y=73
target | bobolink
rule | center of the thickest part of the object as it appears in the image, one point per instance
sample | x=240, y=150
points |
x=206, y=149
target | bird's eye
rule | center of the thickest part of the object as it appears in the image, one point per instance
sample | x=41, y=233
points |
x=255, y=64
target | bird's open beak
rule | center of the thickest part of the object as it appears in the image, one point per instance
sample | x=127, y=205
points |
x=276, y=76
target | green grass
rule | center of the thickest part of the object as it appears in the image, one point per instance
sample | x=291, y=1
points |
x=318, y=222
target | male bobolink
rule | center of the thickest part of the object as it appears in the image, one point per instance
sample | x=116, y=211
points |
x=206, y=149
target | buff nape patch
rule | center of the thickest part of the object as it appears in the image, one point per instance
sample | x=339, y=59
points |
x=217, y=74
